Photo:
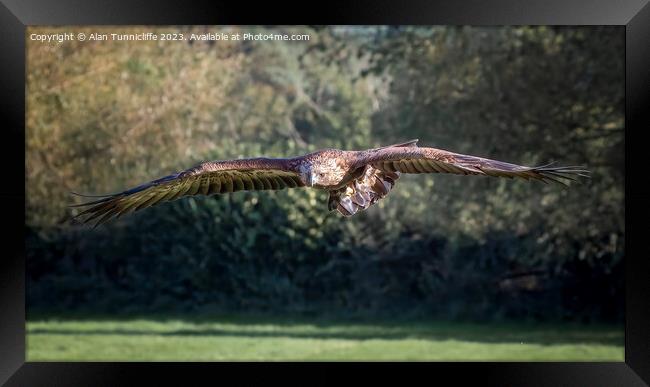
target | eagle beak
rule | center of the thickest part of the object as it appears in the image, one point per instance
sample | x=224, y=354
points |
x=308, y=178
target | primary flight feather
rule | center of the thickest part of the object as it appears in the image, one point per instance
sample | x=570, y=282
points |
x=355, y=180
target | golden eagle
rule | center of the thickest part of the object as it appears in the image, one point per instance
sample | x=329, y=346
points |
x=355, y=180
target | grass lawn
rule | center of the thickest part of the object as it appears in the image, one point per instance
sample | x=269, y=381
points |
x=266, y=338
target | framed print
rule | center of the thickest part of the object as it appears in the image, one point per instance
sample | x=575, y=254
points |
x=438, y=186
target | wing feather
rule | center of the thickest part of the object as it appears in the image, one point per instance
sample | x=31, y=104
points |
x=194, y=187
x=431, y=160
x=276, y=182
x=390, y=166
x=227, y=185
x=181, y=189
x=248, y=183
x=289, y=181
x=266, y=182
x=425, y=166
x=257, y=183
x=215, y=186
x=205, y=185
x=237, y=183
x=205, y=179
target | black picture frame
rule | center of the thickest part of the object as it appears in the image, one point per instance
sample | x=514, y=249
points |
x=634, y=15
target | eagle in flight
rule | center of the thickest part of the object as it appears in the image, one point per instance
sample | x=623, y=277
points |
x=355, y=180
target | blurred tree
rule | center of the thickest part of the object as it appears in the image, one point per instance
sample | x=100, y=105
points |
x=103, y=116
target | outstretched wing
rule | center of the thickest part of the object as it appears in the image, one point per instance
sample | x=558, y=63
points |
x=432, y=160
x=215, y=177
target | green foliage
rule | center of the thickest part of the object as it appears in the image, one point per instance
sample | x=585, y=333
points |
x=104, y=116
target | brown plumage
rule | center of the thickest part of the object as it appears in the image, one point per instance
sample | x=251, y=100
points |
x=355, y=179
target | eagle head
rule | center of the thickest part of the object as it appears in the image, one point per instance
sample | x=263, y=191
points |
x=323, y=170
